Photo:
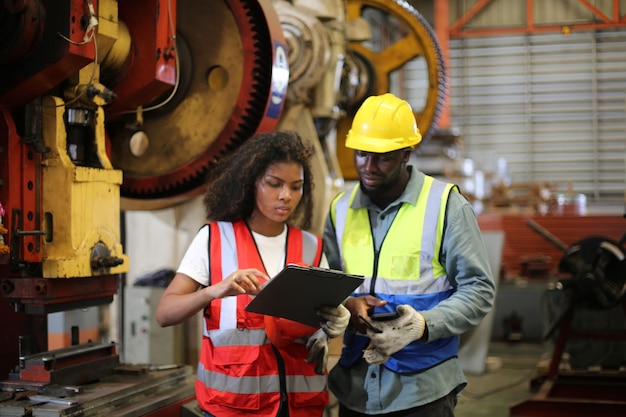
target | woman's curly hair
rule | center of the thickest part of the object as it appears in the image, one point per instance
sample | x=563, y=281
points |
x=232, y=180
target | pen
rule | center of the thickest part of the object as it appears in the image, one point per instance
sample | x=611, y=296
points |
x=369, y=325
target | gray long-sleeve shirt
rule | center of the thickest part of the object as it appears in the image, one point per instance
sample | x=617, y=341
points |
x=374, y=389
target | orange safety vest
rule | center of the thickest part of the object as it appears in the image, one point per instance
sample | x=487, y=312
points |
x=240, y=371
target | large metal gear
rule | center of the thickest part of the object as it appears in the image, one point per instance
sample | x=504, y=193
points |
x=229, y=83
x=233, y=77
x=401, y=39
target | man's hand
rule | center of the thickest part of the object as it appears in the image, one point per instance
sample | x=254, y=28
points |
x=334, y=319
x=318, y=351
x=395, y=334
x=361, y=306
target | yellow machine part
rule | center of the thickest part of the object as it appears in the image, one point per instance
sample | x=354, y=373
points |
x=81, y=204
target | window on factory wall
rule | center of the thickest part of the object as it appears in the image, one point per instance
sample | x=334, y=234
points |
x=553, y=107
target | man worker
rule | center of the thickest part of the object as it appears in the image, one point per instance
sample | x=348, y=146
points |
x=417, y=241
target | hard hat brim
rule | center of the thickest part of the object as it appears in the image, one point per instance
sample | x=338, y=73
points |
x=379, y=145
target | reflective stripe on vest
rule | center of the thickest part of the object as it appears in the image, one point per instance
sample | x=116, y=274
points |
x=238, y=366
x=408, y=268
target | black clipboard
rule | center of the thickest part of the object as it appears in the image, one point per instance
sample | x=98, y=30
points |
x=297, y=292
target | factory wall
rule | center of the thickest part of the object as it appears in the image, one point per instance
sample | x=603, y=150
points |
x=553, y=106
x=537, y=95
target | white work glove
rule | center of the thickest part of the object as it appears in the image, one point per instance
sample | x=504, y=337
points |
x=318, y=351
x=334, y=319
x=395, y=334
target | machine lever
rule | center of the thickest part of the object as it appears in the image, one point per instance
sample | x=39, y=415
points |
x=549, y=236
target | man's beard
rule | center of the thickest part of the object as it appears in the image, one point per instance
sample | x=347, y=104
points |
x=385, y=187
x=371, y=191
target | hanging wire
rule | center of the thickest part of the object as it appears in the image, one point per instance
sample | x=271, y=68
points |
x=90, y=36
x=177, y=69
x=176, y=63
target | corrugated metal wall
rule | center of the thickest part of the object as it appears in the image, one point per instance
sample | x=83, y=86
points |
x=553, y=106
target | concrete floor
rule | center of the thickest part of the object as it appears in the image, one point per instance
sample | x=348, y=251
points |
x=506, y=381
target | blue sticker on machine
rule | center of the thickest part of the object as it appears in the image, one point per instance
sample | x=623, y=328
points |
x=280, y=80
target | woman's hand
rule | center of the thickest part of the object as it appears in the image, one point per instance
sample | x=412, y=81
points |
x=242, y=281
x=182, y=299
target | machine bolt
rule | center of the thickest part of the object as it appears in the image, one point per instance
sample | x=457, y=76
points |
x=7, y=287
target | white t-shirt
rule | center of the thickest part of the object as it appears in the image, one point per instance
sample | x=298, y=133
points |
x=272, y=249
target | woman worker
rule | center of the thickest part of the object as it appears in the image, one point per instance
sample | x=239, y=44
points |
x=258, y=202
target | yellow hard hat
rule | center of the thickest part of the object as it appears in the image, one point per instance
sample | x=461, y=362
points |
x=382, y=124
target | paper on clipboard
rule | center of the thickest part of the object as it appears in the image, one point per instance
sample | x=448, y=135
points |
x=297, y=292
